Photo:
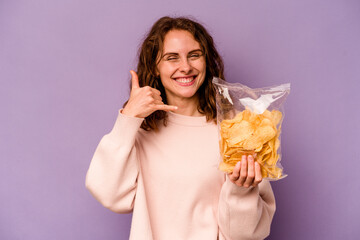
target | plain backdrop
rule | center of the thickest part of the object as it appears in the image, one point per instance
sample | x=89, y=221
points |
x=64, y=73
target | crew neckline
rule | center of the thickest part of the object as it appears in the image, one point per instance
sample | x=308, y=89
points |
x=186, y=120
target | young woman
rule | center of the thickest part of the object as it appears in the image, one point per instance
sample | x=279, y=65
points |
x=160, y=161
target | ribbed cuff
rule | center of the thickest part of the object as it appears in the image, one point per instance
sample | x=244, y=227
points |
x=237, y=190
x=125, y=127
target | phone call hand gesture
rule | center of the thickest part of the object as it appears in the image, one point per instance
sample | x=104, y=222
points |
x=144, y=100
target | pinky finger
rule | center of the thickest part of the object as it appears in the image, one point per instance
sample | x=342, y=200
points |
x=258, y=175
x=165, y=107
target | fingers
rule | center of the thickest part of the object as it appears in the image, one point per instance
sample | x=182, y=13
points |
x=250, y=172
x=155, y=91
x=158, y=102
x=135, y=83
x=234, y=176
x=246, y=173
x=145, y=100
x=243, y=171
x=258, y=175
x=165, y=107
x=134, y=80
x=154, y=94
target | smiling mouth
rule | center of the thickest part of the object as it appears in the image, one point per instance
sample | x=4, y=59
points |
x=185, y=79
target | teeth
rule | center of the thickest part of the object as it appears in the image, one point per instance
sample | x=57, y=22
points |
x=184, y=80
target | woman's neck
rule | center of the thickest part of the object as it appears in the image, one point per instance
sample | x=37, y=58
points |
x=186, y=106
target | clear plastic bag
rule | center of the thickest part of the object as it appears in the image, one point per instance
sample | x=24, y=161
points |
x=249, y=122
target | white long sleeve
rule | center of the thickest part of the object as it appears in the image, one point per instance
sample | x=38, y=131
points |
x=114, y=168
x=246, y=213
x=171, y=181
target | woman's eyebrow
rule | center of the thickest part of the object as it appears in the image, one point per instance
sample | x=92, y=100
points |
x=170, y=53
x=196, y=50
x=175, y=53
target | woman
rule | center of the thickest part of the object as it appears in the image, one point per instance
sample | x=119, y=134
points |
x=160, y=161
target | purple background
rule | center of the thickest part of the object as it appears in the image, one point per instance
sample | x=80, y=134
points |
x=64, y=71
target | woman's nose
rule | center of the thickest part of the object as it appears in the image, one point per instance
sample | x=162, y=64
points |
x=185, y=66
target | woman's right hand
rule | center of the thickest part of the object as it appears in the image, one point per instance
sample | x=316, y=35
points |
x=144, y=100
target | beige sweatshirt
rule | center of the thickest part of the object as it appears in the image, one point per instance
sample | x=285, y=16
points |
x=170, y=181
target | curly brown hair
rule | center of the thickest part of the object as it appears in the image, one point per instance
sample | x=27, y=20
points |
x=152, y=47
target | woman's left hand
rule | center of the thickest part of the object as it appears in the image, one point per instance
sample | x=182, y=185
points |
x=246, y=173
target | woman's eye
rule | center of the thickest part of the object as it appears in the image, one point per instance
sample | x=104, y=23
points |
x=195, y=56
x=172, y=58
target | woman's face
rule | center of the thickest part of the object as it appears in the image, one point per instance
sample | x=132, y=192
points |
x=182, y=66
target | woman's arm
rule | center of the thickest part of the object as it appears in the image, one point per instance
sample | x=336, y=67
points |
x=112, y=175
x=114, y=168
x=245, y=213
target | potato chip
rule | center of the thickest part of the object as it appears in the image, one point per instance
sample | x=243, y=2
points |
x=252, y=133
x=249, y=123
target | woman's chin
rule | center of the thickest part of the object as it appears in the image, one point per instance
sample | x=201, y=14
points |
x=183, y=95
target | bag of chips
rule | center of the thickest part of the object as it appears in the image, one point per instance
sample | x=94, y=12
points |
x=249, y=123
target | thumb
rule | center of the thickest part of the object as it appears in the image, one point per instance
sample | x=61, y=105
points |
x=134, y=80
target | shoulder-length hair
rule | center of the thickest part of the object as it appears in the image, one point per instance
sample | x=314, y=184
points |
x=152, y=47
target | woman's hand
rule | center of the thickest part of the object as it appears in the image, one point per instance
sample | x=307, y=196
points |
x=144, y=100
x=246, y=173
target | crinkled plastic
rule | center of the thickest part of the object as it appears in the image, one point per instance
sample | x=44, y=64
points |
x=249, y=122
